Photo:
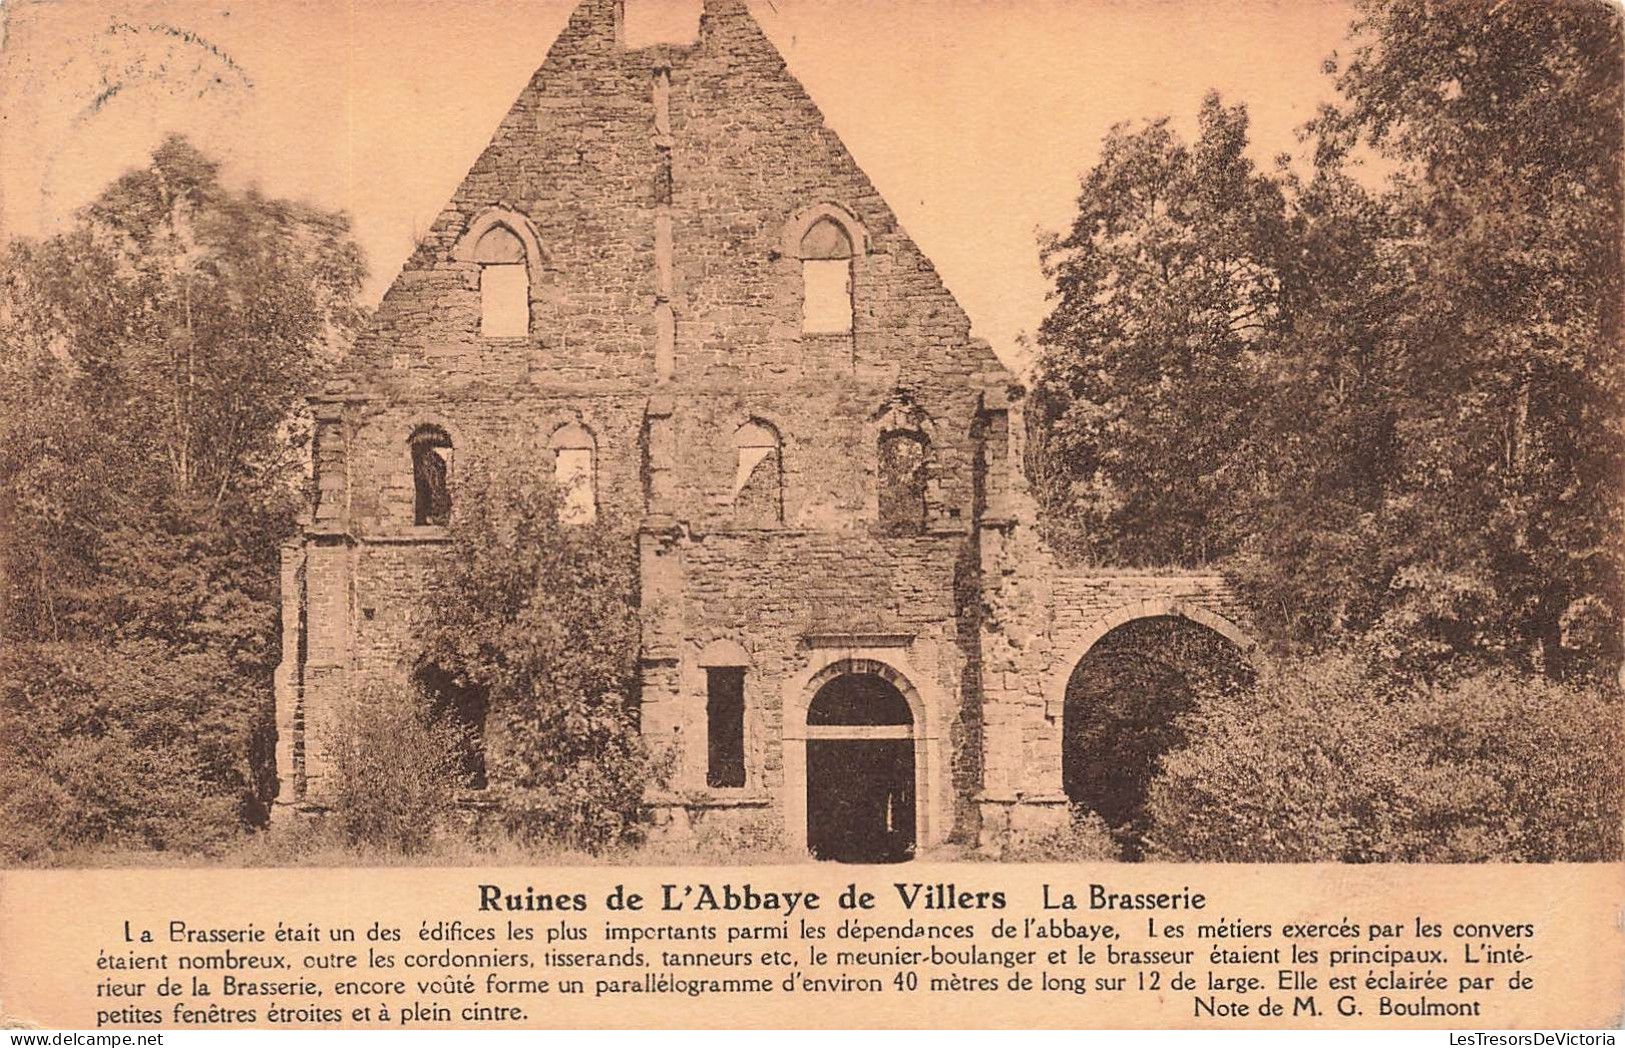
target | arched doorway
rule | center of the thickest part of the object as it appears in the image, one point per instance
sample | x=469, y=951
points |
x=860, y=771
x=1125, y=701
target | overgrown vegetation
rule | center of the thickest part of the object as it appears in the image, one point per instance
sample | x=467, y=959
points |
x=1384, y=396
x=1387, y=404
x=539, y=618
x=397, y=770
x=1331, y=761
x=151, y=359
x=1126, y=705
x=1084, y=837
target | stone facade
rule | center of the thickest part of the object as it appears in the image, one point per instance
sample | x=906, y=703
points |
x=661, y=203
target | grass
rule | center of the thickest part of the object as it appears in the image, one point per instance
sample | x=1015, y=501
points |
x=314, y=845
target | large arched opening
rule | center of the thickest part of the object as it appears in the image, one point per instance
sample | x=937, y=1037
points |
x=1125, y=701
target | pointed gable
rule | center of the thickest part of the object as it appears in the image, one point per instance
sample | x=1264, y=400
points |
x=658, y=186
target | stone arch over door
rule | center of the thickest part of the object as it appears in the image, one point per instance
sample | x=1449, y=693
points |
x=926, y=704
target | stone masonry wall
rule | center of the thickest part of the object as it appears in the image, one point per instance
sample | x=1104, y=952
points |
x=576, y=158
x=668, y=179
x=776, y=595
x=661, y=193
x=1039, y=621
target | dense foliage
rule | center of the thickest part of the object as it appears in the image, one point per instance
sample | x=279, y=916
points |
x=152, y=358
x=539, y=620
x=397, y=769
x=1387, y=398
x=1385, y=395
x=1330, y=761
x=1167, y=280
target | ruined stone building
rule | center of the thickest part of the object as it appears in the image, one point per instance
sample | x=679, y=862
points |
x=667, y=282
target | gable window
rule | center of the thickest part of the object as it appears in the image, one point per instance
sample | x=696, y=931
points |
x=759, y=476
x=725, y=726
x=902, y=482
x=575, y=469
x=431, y=476
x=504, y=284
x=826, y=279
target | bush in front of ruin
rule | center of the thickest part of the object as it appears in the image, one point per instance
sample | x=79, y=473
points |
x=121, y=745
x=397, y=769
x=1084, y=837
x=1333, y=760
x=538, y=616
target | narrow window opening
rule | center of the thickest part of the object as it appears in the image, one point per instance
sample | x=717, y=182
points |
x=431, y=476
x=504, y=284
x=759, y=477
x=574, y=476
x=826, y=277
x=575, y=470
x=902, y=483
x=725, y=726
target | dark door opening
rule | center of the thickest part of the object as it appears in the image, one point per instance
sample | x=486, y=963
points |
x=860, y=772
x=860, y=799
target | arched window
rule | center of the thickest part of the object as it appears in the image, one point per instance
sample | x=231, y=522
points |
x=575, y=470
x=826, y=278
x=431, y=476
x=504, y=284
x=902, y=482
x=759, y=479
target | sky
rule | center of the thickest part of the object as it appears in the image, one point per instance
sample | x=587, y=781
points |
x=974, y=118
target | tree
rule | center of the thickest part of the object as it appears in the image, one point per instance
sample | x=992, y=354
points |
x=153, y=359
x=1486, y=528
x=1167, y=281
x=1505, y=123
x=1313, y=471
x=533, y=623
x=1421, y=442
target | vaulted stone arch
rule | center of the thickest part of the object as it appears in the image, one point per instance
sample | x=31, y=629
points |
x=1117, y=703
x=1155, y=607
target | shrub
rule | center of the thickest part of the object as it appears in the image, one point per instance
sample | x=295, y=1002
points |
x=396, y=770
x=1546, y=757
x=540, y=617
x=1330, y=760
x=1084, y=838
x=121, y=745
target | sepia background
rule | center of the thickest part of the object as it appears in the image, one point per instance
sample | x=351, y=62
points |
x=974, y=124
